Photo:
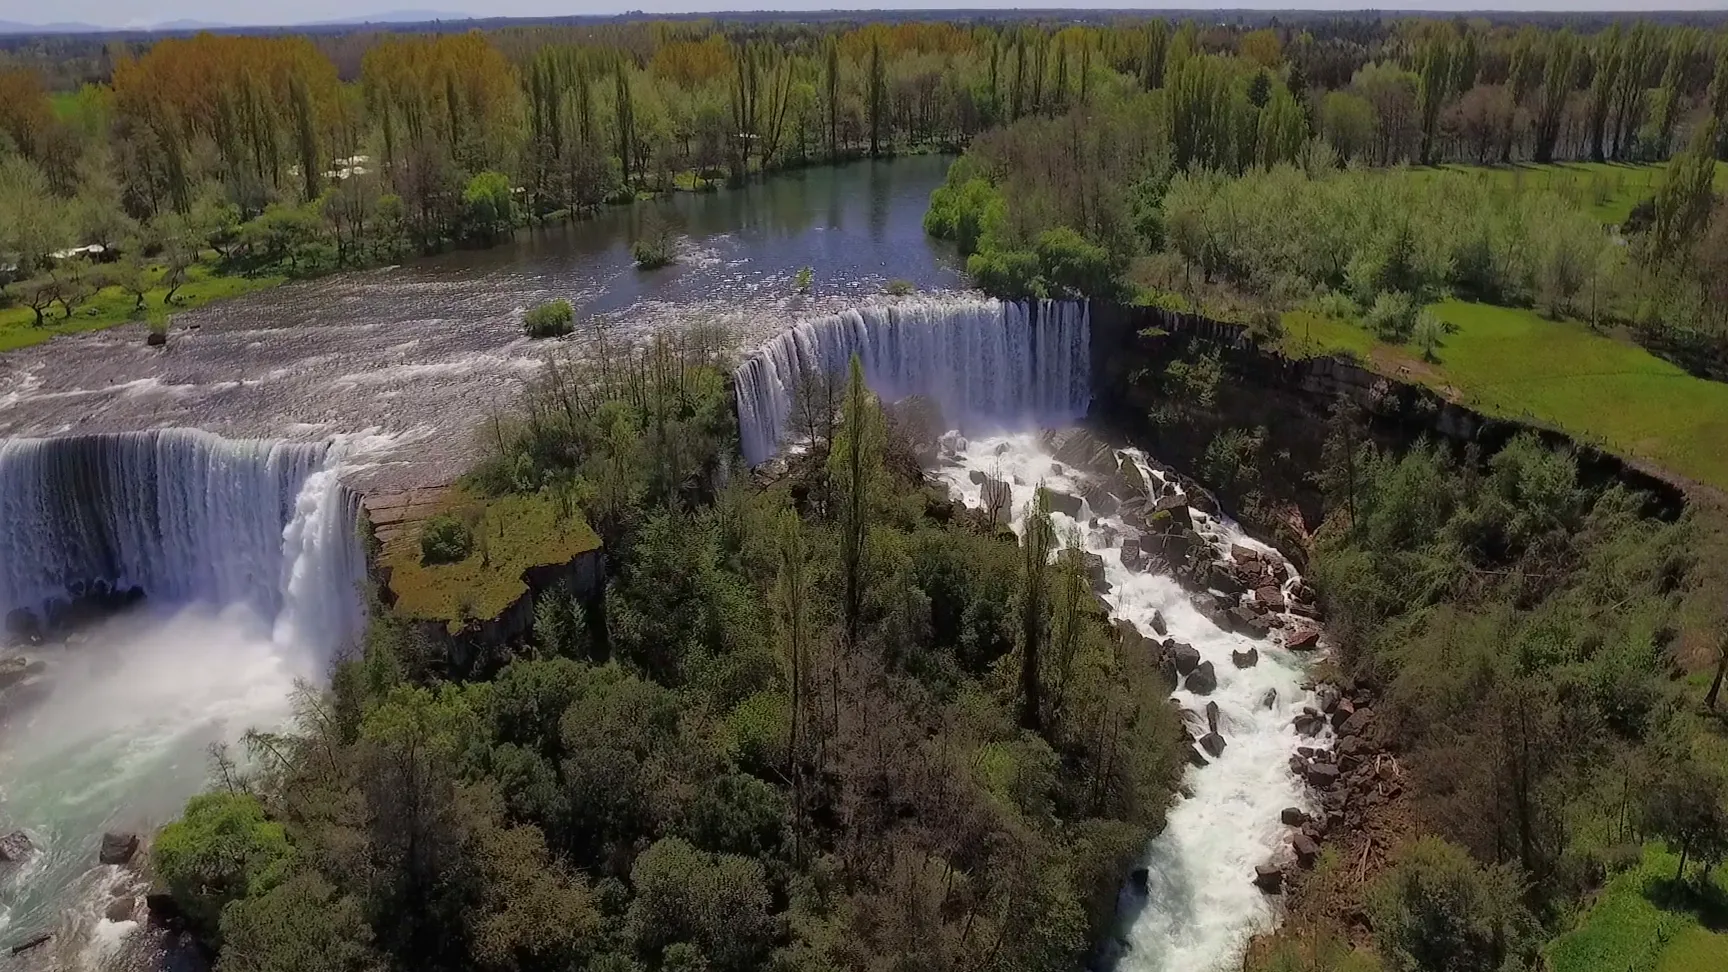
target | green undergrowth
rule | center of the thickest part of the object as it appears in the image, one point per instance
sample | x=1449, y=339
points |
x=113, y=306
x=1606, y=190
x=511, y=534
x=1516, y=364
x=1645, y=922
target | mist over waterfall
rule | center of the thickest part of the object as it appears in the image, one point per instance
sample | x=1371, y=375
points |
x=984, y=362
x=185, y=516
x=251, y=566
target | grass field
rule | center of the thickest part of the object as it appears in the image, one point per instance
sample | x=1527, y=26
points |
x=1607, y=190
x=112, y=306
x=1516, y=364
x=1642, y=923
x=511, y=535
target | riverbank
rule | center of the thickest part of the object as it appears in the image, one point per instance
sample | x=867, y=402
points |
x=214, y=279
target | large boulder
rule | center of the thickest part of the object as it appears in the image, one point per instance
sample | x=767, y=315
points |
x=1202, y=680
x=1186, y=655
x=118, y=848
x=1321, y=775
x=1268, y=878
x=122, y=908
x=1095, y=571
x=1222, y=577
x=1357, y=722
x=1302, y=639
x=1248, y=620
x=1213, y=744
x=16, y=669
x=1175, y=507
x=1102, y=501
x=1064, y=503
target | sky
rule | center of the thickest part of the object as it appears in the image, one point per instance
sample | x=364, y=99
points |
x=141, y=13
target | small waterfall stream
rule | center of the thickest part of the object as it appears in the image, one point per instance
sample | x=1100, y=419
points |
x=1000, y=371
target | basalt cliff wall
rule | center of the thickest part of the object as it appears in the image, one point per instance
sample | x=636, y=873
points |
x=1294, y=400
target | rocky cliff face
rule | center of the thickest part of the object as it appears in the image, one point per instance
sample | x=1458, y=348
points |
x=1293, y=401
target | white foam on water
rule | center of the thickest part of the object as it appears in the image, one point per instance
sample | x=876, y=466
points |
x=1202, y=905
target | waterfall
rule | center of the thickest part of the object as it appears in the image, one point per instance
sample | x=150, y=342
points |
x=186, y=517
x=984, y=362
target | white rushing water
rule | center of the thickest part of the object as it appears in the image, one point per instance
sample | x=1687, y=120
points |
x=987, y=364
x=1202, y=905
x=251, y=565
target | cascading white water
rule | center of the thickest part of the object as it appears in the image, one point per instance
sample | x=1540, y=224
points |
x=251, y=563
x=986, y=363
x=1201, y=906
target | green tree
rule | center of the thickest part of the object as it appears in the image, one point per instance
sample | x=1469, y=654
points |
x=489, y=206
x=1037, y=540
x=301, y=925
x=716, y=902
x=854, y=464
x=1436, y=910
x=222, y=849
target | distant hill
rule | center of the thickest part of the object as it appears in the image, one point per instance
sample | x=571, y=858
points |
x=13, y=27
x=185, y=26
x=393, y=17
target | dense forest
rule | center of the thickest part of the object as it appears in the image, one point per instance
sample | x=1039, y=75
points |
x=293, y=154
x=793, y=734
x=1240, y=188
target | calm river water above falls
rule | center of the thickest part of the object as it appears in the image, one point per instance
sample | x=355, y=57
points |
x=423, y=350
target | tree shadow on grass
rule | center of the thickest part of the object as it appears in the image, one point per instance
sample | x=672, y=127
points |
x=1704, y=899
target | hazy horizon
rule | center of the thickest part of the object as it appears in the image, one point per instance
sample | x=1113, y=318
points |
x=131, y=13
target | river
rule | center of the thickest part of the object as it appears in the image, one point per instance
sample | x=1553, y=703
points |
x=421, y=352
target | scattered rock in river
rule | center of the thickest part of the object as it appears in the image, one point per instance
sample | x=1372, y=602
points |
x=1212, y=716
x=1293, y=817
x=1203, y=680
x=1245, y=659
x=118, y=848
x=14, y=847
x=1064, y=503
x=1186, y=655
x=1213, y=743
x=1270, y=699
x=1157, y=623
x=122, y=908
x=1268, y=878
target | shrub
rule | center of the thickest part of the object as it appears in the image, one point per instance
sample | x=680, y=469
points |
x=900, y=288
x=652, y=252
x=806, y=277
x=554, y=318
x=1436, y=908
x=1392, y=317
x=1429, y=332
x=445, y=540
